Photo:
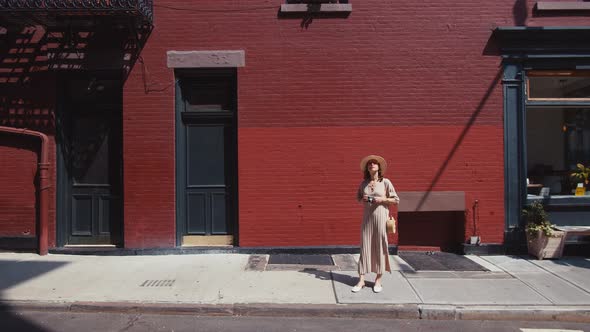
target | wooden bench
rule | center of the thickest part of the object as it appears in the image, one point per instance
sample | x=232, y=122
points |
x=573, y=233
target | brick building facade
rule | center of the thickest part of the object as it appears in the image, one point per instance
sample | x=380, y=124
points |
x=296, y=94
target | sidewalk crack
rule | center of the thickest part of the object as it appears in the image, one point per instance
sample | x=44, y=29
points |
x=131, y=323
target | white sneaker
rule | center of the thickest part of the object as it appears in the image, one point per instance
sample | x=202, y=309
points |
x=357, y=288
x=377, y=288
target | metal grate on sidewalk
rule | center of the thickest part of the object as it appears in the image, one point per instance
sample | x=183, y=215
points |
x=300, y=259
x=158, y=283
x=439, y=261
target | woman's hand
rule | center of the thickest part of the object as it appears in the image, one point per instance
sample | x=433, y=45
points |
x=365, y=198
x=379, y=200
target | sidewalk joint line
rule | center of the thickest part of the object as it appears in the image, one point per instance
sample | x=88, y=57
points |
x=536, y=291
x=503, y=269
x=560, y=277
x=524, y=282
x=414, y=290
x=334, y=287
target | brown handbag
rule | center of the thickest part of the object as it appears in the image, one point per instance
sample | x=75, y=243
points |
x=390, y=225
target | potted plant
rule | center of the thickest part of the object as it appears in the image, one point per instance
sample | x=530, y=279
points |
x=581, y=175
x=543, y=241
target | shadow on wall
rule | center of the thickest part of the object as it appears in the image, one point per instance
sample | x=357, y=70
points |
x=13, y=273
x=313, y=12
x=461, y=138
x=25, y=50
x=20, y=108
x=32, y=58
x=520, y=12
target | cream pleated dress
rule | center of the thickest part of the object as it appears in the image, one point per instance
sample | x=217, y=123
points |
x=374, y=247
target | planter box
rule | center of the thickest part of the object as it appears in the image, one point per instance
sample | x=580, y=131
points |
x=542, y=246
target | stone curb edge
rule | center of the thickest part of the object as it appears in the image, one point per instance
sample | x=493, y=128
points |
x=577, y=314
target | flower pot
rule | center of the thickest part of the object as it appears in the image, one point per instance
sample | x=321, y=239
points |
x=543, y=246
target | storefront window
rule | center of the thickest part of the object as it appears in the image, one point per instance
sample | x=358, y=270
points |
x=557, y=131
x=557, y=140
x=559, y=85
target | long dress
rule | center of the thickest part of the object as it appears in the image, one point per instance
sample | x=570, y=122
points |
x=374, y=247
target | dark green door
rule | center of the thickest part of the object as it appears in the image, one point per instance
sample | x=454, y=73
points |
x=206, y=187
x=91, y=141
x=206, y=157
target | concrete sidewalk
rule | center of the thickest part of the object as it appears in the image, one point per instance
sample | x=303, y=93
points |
x=514, y=288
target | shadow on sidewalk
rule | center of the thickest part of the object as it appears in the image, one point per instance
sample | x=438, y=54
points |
x=335, y=276
x=13, y=273
x=9, y=321
x=578, y=262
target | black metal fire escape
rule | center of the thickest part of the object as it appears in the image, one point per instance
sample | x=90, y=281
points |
x=44, y=40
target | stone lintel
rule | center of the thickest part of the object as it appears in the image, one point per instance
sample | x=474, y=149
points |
x=316, y=8
x=206, y=59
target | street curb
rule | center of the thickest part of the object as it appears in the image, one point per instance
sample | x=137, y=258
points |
x=577, y=314
x=569, y=314
x=404, y=311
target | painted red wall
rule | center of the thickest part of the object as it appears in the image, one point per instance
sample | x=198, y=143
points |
x=417, y=82
x=301, y=191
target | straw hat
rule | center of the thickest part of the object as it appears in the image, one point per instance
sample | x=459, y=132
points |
x=380, y=160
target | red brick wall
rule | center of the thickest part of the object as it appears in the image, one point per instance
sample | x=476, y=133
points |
x=413, y=81
x=17, y=194
x=18, y=202
x=32, y=106
x=148, y=151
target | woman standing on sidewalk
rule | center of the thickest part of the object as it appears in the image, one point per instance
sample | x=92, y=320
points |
x=376, y=193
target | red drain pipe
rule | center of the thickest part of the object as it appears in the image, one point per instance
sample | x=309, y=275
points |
x=43, y=184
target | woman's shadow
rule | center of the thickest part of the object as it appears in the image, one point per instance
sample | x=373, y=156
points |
x=336, y=276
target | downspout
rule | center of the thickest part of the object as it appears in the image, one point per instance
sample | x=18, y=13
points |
x=43, y=184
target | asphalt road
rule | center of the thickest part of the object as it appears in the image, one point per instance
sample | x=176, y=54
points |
x=43, y=321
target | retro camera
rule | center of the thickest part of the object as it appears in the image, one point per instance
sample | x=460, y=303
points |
x=370, y=199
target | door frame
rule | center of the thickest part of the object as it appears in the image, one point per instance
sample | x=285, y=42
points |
x=63, y=190
x=229, y=74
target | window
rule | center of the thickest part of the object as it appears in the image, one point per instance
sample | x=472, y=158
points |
x=557, y=129
x=558, y=85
